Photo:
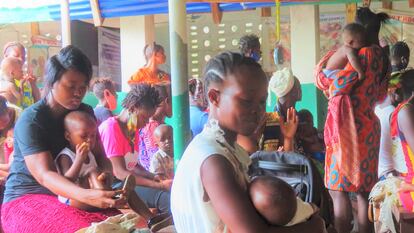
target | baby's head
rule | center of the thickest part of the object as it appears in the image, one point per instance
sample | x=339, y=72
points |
x=12, y=67
x=80, y=127
x=354, y=35
x=236, y=88
x=164, y=139
x=274, y=199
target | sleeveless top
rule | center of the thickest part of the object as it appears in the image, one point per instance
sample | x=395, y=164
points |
x=190, y=212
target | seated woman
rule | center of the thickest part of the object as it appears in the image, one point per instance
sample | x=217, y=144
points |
x=33, y=182
x=141, y=101
x=150, y=73
x=210, y=189
x=8, y=117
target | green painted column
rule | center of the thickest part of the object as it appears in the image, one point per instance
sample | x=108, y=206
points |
x=179, y=76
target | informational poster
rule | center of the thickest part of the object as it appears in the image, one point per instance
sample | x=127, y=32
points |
x=330, y=28
x=109, y=54
x=36, y=62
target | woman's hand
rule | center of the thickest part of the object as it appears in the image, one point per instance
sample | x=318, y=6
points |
x=104, y=199
x=289, y=126
x=166, y=184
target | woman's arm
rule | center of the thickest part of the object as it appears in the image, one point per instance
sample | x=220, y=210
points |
x=406, y=125
x=121, y=172
x=233, y=205
x=100, y=156
x=42, y=168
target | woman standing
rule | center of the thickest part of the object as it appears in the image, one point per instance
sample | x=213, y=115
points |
x=352, y=131
x=30, y=202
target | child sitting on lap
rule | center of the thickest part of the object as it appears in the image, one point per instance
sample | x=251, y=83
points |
x=354, y=39
x=81, y=166
x=162, y=163
x=276, y=201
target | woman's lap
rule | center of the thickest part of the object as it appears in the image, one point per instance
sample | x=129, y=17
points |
x=44, y=213
x=154, y=198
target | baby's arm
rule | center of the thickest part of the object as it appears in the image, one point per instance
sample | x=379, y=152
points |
x=71, y=169
x=352, y=55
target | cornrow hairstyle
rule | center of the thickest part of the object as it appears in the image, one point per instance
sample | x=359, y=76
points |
x=226, y=63
x=407, y=83
x=68, y=58
x=12, y=45
x=99, y=85
x=399, y=50
x=151, y=49
x=247, y=42
x=3, y=105
x=141, y=96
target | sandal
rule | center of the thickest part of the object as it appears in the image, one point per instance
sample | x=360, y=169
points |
x=160, y=221
x=129, y=184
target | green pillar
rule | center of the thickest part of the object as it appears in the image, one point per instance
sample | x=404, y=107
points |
x=179, y=76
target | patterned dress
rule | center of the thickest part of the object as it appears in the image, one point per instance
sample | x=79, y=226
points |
x=407, y=198
x=145, y=75
x=352, y=130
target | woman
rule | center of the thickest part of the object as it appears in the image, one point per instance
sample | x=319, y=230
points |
x=272, y=135
x=140, y=103
x=8, y=117
x=146, y=144
x=198, y=116
x=352, y=131
x=150, y=73
x=30, y=202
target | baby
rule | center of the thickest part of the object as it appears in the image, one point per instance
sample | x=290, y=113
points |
x=12, y=70
x=162, y=163
x=276, y=201
x=354, y=39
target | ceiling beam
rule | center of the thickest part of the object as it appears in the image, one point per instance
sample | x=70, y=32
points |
x=216, y=13
x=96, y=13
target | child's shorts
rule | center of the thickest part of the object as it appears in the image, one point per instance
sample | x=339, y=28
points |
x=331, y=74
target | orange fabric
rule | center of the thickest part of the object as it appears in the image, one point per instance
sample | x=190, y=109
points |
x=145, y=75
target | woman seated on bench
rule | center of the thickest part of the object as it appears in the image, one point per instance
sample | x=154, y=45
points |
x=30, y=202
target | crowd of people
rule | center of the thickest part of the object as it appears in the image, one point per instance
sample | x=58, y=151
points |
x=65, y=165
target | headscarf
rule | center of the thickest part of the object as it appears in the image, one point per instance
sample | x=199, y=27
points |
x=282, y=82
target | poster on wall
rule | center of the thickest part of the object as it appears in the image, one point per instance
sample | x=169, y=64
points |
x=37, y=57
x=330, y=29
x=408, y=37
x=391, y=32
x=109, y=54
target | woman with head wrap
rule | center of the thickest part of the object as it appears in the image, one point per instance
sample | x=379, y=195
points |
x=352, y=131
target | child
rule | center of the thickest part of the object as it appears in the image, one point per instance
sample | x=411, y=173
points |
x=104, y=90
x=15, y=86
x=209, y=192
x=162, y=163
x=276, y=201
x=11, y=69
x=354, y=39
x=308, y=137
x=81, y=166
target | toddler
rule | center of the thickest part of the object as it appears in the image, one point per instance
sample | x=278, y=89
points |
x=276, y=201
x=12, y=70
x=104, y=90
x=78, y=164
x=354, y=39
x=162, y=163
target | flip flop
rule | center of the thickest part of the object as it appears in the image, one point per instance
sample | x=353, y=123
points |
x=160, y=221
x=129, y=184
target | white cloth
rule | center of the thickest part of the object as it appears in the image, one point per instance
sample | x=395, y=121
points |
x=162, y=164
x=85, y=167
x=385, y=162
x=282, y=82
x=190, y=212
x=304, y=211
